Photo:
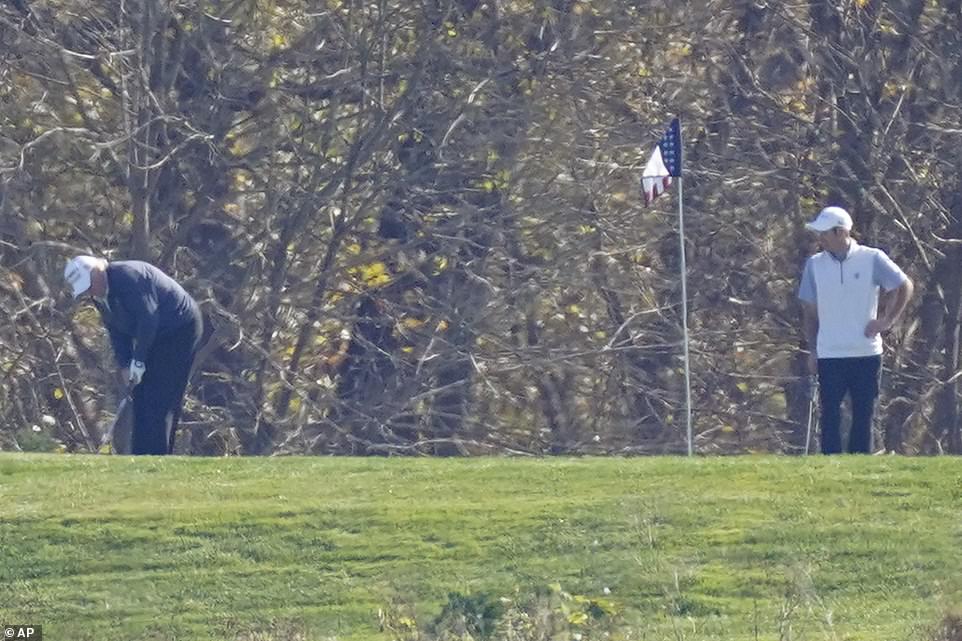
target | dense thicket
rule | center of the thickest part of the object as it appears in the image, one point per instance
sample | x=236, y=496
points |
x=416, y=227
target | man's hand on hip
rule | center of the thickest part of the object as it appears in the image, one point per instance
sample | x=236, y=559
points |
x=875, y=327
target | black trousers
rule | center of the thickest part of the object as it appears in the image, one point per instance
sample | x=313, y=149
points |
x=858, y=377
x=160, y=395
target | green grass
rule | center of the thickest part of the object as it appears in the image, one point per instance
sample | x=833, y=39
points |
x=114, y=548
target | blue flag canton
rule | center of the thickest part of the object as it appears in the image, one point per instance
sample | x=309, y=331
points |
x=670, y=145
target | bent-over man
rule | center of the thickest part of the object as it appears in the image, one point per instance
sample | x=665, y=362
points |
x=155, y=327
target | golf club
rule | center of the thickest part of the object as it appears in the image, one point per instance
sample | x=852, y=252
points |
x=108, y=437
x=812, y=396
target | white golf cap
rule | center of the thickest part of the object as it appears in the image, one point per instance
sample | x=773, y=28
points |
x=77, y=273
x=830, y=218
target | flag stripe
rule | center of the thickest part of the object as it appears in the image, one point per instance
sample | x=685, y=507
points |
x=665, y=162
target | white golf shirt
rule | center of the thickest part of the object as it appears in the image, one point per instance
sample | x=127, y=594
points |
x=846, y=294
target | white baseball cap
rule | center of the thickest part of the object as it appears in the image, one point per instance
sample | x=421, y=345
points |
x=830, y=218
x=77, y=273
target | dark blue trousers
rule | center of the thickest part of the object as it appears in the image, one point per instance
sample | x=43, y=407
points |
x=858, y=377
x=159, y=397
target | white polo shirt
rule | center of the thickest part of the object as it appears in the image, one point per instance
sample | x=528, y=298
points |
x=846, y=294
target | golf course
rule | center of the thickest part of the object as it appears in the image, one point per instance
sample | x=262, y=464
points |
x=283, y=549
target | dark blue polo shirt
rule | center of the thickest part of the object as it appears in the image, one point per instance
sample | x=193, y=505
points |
x=143, y=304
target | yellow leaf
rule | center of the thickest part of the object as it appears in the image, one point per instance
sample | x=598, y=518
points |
x=606, y=606
x=241, y=180
x=442, y=325
x=412, y=323
x=375, y=274
x=278, y=41
x=577, y=618
x=58, y=393
x=240, y=146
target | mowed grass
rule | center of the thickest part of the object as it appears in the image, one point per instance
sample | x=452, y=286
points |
x=116, y=548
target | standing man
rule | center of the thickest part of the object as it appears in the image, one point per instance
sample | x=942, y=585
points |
x=843, y=326
x=155, y=327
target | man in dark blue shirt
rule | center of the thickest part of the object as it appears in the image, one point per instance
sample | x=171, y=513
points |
x=155, y=327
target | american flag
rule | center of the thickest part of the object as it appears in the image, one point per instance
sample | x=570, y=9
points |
x=664, y=163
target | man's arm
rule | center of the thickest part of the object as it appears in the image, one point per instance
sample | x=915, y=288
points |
x=810, y=329
x=123, y=347
x=894, y=304
x=121, y=343
x=808, y=296
x=139, y=298
x=145, y=308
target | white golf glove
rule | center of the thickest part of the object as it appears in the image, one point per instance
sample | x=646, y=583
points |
x=137, y=369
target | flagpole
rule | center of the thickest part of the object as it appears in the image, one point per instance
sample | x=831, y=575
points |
x=684, y=313
x=664, y=165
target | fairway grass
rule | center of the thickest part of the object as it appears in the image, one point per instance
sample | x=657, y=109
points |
x=124, y=549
